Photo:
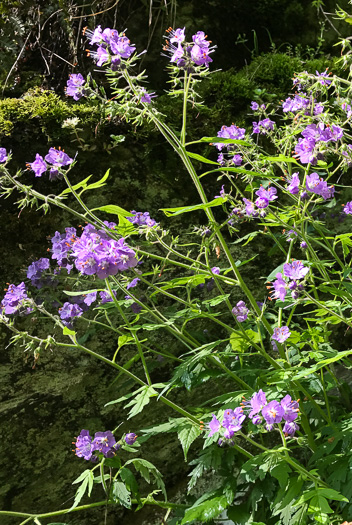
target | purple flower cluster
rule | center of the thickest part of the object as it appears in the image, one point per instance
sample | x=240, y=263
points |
x=14, y=300
x=188, y=55
x=35, y=271
x=145, y=96
x=255, y=106
x=324, y=77
x=56, y=158
x=231, y=423
x=263, y=126
x=75, y=85
x=257, y=208
x=280, y=334
x=3, y=155
x=348, y=208
x=317, y=185
x=272, y=413
x=314, y=138
x=291, y=278
x=113, y=47
x=300, y=103
x=103, y=443
x=232, y=157
x=240, y=311
x=141, y=219
x=93, y=253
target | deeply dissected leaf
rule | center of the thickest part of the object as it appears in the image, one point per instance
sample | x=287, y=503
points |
x=205, y=511
x=120, y=494
x=187, y=435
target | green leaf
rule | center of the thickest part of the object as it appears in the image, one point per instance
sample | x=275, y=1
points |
x=242, y=171
x=140, y=401
x=272, y=275
x=219, y=140
x=83, y=292
x=130, y=481
x=200, y=158
x=187, y=435
x=86, y=479
x=145, y=468
x=205, y=511
x=123, y=398
x=171, y=212
x=67, y=331
x=82, y=184
x=239, y=514
x=240, y=344
x=115, y=210
x=319, y=504
x=98, y=184
x=281, y=158
x=121, y=495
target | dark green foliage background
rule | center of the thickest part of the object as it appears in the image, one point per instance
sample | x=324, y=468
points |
x=42, y=408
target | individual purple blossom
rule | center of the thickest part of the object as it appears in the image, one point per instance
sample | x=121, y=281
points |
x=254, y=106
x=133, y=283
x=104, y=442
x=35, y=270
x=89, y=298
x=177, y=35
x=120, y=46
x=249, y=208
x=290, y=407
x=273, y=412
x=240, y=311
x=256, y=403
x=318, y=109
x=324, y=78
x=232, y=132
x=214, y=426
x=58, y=157
x=14, y=298
x=130, y=438
x=101, y=56
x=147, y=97
x=105, y=297
x=232, y=421
x=304, y=150
x=262, y=202
x=291, y=235
x=84, y=445
x=68, y=311
x=178, y=53
x=295, y=270
x=75, y=85
x=280, y=287
x=290, y=427
x=263, y=126
x=3, y=155
x=39, y=166
x=294, y=182
x=200, y=55
x=281, y=334
x=141, y=219
x=237, y=160
x=96, y=35
x=222, y=192
x=269, y=194
x=215, y=270
x=303, y=245
x=135, y=307
x=200, y=39
x=348, y=208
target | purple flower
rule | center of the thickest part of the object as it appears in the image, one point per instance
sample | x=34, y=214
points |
x=104, y=442
x=215, y=270
x=146, y=97
x=291, y=235
x=120, y=46
x=133, y=283
x=303, y=245
x=96, y=35
x=269, y=194
x=263, y=126
x=290, y=408
x=304, y=150
x=250, y=210
x=200, y=55
x=229, y=132
x=199, y=39
x=101, y=56
x=273, y=413
x=39, y=166
x=58, y=157
x=240, y=311
x=178, y=35
x=290, y=427
x=256, y=403
x=348, y=208
x=68, y=311
x=280, y=287
x=106, y=297
x=141, y=219
x=177, y=53
x=232, y=421
x=295, y=104
x=262, y=202
x=281, y=334
x=3, y=155
x=318, y=109
x=295, y=270
x=130, y=438
x=254, y=106
x=294, y=182
x=14, y=298
x=84, y=445
x=214, y=426
x=324, y=78
x=35, y=270
x=74, y=86
x=89, y=298
x=236, y=160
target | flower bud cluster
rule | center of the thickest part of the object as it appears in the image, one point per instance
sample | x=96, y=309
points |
x=15, y=300
x=293, y=273
x=188, y=55
x=112, y=47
